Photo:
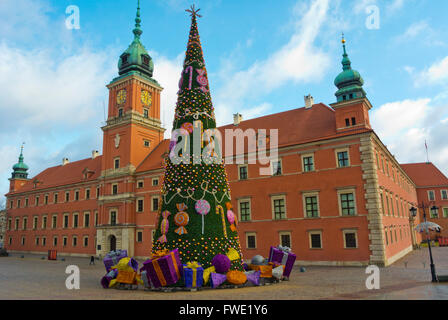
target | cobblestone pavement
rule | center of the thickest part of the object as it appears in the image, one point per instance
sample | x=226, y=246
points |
x=409, y=278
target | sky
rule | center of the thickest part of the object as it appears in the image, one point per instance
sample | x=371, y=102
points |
x=262, y=57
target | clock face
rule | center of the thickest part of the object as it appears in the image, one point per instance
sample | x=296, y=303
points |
x=146, y=98
x=121, y=96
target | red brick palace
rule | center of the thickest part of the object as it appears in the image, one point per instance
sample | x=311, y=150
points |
x=336, y=195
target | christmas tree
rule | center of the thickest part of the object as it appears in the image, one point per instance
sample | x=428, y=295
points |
x=196, y=214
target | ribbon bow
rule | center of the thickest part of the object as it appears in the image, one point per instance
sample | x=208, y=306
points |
x=284, y=249
x=193, y=265
x=160, y=253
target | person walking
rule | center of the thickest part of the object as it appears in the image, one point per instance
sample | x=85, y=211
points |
x=92, y=260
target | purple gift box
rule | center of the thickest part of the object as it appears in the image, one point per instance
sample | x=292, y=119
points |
x=108, y=277
x=283, y=256
x=113, y=257
x=164, y=270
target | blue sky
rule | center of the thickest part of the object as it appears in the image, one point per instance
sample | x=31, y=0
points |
x=262, y=57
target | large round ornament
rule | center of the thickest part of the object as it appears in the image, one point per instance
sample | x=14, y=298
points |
x=221, y=263
x=257, y=260
x=202, y=207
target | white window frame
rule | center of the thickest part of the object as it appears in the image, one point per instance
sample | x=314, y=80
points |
x=52, y=219
x=73, y=241
x=239, y=201
x=345, y=191
x=443, y=212
x=308, y=155
x=68, y=220
x=116, y=216
x=35, y=222
x=84, y=241
x=433, y=193
x=344, y=232
x=114, y=163
x=336, y=151
x=84, y=219
x=278, y=197
x=44, y=219
x=441, y=194
x=285, y=233
x=142, y=182
x=247, y=171
x=152, y=203
x=112, y=189
x=314, y=232
x=272, y=167
x=155, y=179
x=143, y=204
x=75, y=214
x=247, y=235
x=310, y=194
x=136, y=235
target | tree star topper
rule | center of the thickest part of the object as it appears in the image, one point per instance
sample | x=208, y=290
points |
x=194, y=12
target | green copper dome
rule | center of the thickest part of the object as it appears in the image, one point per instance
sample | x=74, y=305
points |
x=136, y=58
x=349, y=81
x=20, y=168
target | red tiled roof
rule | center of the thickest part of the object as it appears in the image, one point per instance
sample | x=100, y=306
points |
x=155, y=158
x=425, y=174
x=64, y=174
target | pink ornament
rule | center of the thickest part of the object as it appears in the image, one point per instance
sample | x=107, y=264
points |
x=230, y=216
x=189, y=69
x=188, y=126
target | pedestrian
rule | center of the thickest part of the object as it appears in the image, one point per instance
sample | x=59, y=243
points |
x=92, y=260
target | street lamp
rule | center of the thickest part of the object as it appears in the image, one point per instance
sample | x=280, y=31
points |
x=434, y=209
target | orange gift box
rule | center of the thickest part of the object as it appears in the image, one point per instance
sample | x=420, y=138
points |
x=266, y=270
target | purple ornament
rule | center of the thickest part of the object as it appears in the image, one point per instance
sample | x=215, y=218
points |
x=217, y=279
x=221, y=263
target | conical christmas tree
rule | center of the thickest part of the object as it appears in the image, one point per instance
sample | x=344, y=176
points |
x=196, y=215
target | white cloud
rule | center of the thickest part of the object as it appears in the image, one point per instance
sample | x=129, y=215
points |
x=437, y=73
x=297, y=61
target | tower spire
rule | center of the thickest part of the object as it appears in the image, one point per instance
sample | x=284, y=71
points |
x=20, y=168
x=137, y=31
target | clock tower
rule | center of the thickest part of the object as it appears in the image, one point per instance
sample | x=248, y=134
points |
x=133, y=129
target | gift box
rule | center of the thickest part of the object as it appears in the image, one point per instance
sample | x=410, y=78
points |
x=127, y=277
x=145, y=279
x=283, y=256
x=265, y=270
x=193, y=275
x=113, y=257
x=164, y=268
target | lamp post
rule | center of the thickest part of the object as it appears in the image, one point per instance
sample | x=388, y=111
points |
x=411, y=222
x=414, y=213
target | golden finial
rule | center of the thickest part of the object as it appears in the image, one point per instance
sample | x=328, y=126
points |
x=343, y=38
x=194, y=12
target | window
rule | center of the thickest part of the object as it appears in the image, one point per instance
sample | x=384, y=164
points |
x=97, y=192
x=431, y=195
x=347, y=203
x=113, y=218
x=285, y=239
x=350, y=239
x=139, y=184
x=44, y=222
x=75, y=241
x=87, y=194
x=116, y=163
x=343, y=160
x=65, y=220
x=54, y=222
x=120, y=112
x=86, y=219
x=445, y=212
x=251, y=240
x=46, y=199
x=18, y=203
x=67, y=196
x=75, y=220
x=244, y=210
x=315, y=239
x=146, y=143
x=139, y=236
x=353, y=121
x=279, y=208
x=86, y=241
x=23, y=241
x=146, y=113
x=35, y=223
x=96, y=218
x=44, y=241
x=347, y=122
x=16, y=225
x=242, y=172
x=382, y=203
x=10, y=240
x=55, y=198
x=276, y=167
x=140, y=205
x=443, y=195
x=311, y=206
x=37, y=201
x=26, y=202
x=145, y=59
x=155, y=182
x=115, y=189
x=155, y=204
x=25, y=222
x=435, y=214
x=11, y=204
x=64, y=241
x=308, y=163
x=9, y=224
x=387, y=238
x=37, y=241
x=76, y=195
x=55, y=241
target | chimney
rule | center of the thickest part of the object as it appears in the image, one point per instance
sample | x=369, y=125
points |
x=95, y=154
x=309, y=101
x=65, y=161
x=237, y=118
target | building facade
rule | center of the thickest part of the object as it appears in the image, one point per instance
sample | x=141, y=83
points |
x=335, y=194
x=2, y=226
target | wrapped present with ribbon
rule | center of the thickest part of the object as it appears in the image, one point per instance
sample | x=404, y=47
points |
x=113, y=257
x=277, y=272
x=145, y=279
x=193, y=275
x=207, y=273
x=164, y=268
x=105, y=281
x=253, y=277
x=283, y=256
x=265, y=270
x=127, y=277
x=216, y=279
x=126, y=264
